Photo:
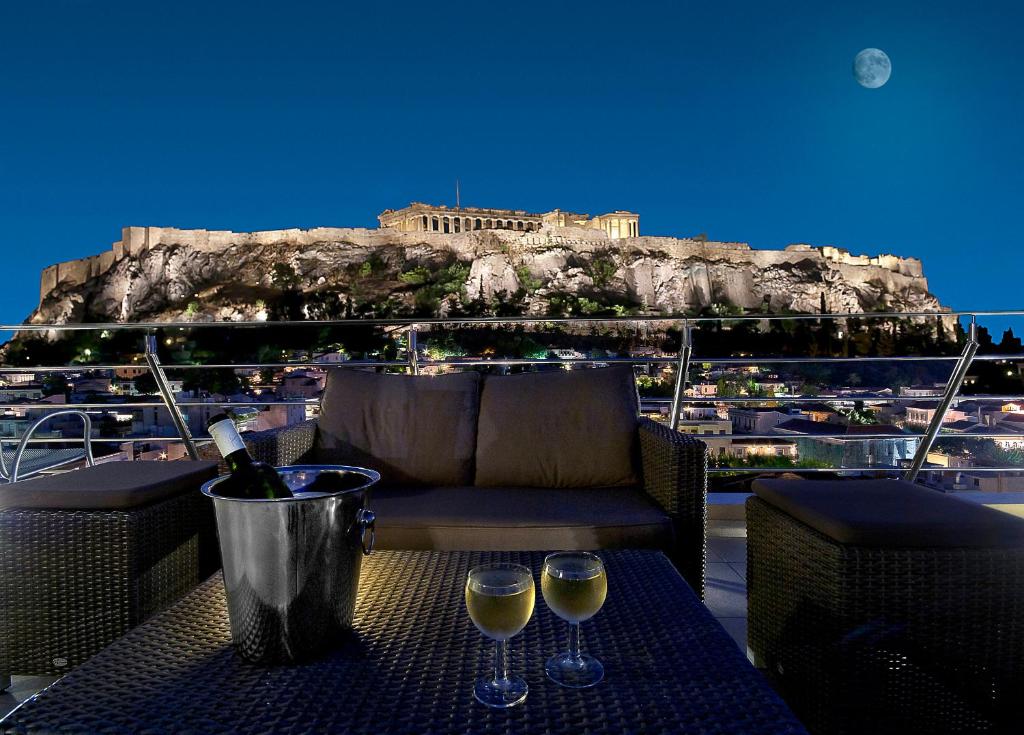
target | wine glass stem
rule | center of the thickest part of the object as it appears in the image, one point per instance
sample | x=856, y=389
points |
x=574, y=641
x=500, y=662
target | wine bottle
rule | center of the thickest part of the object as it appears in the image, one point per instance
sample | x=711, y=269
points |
x=249, y=479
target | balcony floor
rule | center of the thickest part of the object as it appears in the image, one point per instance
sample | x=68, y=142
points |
x=726, y=586
x=22, y=688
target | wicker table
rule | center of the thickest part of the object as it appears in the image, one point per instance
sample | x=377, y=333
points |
x=410, y=666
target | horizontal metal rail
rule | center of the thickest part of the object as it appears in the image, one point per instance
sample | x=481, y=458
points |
x=900, y=470
x=702, y=437
x=505, y=362
x=851, y=437
x=112, y=440
x=715, y=470
x=153, y=404
x=415, y=363
x=204, y=366
x=439, y=321
x=840, y=360
x=981, y=398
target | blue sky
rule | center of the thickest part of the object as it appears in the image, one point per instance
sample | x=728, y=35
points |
x=741, y=120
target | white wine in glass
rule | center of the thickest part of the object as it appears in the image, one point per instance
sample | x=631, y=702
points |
x=500, y=600
x=575, y=586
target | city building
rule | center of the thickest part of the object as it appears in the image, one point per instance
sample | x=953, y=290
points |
x=20, y=392
x=921, y=414
x=705, y=427
x=698, y=412
x=747, y=420
x=995, y=482
x=814, y=443
x=17, y=378
x=420, y=217
x=302, y=384
x=922, y=391
x=702, y=390
x=766, y=447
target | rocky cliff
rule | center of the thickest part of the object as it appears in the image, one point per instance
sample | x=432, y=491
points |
x=168, y=274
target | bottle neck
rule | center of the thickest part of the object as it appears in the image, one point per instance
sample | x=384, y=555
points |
x=230, y=444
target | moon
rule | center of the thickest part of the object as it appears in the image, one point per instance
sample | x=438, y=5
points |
x=871, y=68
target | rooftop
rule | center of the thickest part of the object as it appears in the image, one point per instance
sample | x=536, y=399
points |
x=407, y=346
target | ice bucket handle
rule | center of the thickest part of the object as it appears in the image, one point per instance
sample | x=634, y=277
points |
x=367, y=522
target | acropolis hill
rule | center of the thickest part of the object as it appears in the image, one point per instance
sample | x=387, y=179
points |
x=163, y=273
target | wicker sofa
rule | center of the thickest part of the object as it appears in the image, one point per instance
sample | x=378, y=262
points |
x=531, y=461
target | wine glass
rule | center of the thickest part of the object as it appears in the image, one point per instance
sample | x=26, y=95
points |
x=500, y=599
x=575, y=585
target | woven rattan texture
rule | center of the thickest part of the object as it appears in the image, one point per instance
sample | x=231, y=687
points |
x=410, y=666
x=675, y=470
x=73, y=581
x=276, y=447
x=886, y=640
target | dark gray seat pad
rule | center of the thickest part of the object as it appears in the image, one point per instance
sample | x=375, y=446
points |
x=891, y=513
x=108, y=486
x=518, y=519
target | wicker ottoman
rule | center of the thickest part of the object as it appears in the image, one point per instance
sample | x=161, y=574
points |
x=882, y=606
x=86, y=555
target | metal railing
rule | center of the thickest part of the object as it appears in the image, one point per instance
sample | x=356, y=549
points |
x=27, y=437
x=682, y=361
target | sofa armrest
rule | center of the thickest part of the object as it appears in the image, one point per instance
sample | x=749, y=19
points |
x=277, y=447
x=675, y=475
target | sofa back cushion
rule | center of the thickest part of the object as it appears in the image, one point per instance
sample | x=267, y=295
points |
x=575, y=428
x=411, y=429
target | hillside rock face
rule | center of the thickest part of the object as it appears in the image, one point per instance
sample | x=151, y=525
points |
x=168, y=274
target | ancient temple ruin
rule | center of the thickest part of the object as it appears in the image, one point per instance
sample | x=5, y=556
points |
x=420, y=217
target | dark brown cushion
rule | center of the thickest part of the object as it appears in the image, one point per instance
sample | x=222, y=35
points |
x=518, y=519
x=109, y=486
x=891, y=513
x=563, y=428
x=411, y=429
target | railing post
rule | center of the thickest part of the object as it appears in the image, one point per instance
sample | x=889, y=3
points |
x=682, y=370
x=414, y=363
x=956, y=379
x=153, y=360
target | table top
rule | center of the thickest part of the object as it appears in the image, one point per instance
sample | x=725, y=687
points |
x=411, y=662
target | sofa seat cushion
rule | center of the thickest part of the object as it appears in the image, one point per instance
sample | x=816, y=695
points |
x=109, y=486
x=518, y=519
x=891, y=513
x=412, y=429
x=562, y=428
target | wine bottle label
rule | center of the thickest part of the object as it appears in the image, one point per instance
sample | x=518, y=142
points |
x=226, y=437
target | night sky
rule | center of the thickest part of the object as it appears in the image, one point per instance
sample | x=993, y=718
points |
x=739, y=120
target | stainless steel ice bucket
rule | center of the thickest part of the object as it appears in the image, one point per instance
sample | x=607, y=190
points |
x=291, y=566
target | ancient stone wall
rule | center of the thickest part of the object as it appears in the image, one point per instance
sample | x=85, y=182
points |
x=137, y=240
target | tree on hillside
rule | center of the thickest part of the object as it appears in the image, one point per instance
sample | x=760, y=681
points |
x=146, y=383
x=1010, y=345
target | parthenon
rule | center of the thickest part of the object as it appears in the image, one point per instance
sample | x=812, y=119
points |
x=420, y=217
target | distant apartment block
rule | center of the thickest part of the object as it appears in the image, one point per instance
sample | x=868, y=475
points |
x=816, y=442
x=756, y=420
x=922, y=413
x=744, y=448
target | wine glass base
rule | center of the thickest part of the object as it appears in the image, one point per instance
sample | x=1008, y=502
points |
x=579, y=673
x=500, y=695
